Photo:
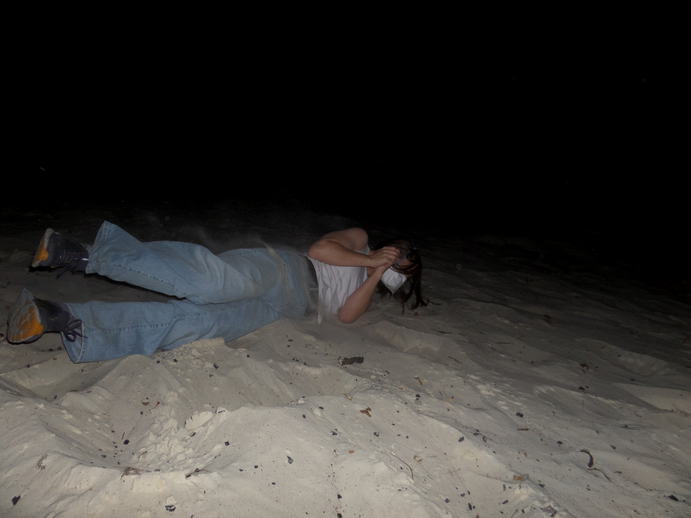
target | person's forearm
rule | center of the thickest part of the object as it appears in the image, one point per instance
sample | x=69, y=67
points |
x=359, y=300
x=332, y=252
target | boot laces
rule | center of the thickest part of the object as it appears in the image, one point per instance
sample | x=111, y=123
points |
x=71, y=258
x=73, y=329
x=73, y=266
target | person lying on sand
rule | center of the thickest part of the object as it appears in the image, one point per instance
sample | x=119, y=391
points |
x=226, y=295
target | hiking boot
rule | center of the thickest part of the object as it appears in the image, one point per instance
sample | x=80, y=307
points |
x=58, y=251
x=30, y=318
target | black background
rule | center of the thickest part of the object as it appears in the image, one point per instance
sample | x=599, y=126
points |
x=560, y=129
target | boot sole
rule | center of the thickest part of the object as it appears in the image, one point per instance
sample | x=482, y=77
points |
x=42, y=255
x=24, y=324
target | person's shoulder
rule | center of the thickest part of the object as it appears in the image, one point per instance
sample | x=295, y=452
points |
x=359, y=237
x=354, y=238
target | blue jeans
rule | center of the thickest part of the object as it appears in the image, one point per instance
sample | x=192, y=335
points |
x=226, y=295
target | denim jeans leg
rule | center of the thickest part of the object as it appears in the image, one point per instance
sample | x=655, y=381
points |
x=115, y=329
x=182, y=270
x=223, y=296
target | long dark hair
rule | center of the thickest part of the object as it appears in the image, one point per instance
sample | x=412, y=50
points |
x=413, y=285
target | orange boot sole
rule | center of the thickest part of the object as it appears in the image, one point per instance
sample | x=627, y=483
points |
x=24, y=324
x=42, y=254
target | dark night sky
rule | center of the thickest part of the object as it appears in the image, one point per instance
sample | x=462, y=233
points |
x=524, y=137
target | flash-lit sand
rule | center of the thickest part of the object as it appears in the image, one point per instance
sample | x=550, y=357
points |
x=522, y=389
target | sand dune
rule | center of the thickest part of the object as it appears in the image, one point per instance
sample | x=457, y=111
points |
x=516, y=392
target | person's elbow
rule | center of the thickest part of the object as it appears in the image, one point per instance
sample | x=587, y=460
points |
x=347, y=317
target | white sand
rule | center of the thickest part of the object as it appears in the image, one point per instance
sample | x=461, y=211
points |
x=514, y=393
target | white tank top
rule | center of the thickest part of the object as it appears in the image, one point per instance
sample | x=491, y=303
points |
x=337, y=283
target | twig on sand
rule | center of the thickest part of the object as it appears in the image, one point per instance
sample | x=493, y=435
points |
x=591, y=460
x=412, y=475
x=591, y=464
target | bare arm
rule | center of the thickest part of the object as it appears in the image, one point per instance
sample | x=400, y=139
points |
x=341, y=248
x=359, y=300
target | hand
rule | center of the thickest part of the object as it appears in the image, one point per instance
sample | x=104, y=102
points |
x=384, y=257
